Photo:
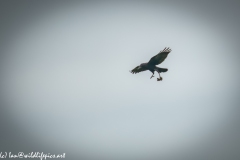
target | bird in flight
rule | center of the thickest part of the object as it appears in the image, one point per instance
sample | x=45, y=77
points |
x=151, y=65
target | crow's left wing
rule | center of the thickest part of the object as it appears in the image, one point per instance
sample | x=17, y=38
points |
x=160, y=57
x=138, y=69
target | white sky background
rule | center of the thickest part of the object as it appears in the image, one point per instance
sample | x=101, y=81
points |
x=67, y=76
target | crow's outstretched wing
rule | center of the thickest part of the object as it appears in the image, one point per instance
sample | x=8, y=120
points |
x=138, y=69
x=160, y=57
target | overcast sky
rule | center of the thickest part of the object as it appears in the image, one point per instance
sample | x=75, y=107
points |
x=66, y=87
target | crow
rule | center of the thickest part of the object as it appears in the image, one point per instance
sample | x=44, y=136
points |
x=151, y=65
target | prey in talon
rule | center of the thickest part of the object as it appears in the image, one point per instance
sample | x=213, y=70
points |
x=151, y=64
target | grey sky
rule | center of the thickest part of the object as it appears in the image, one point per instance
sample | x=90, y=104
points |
x=65, y=80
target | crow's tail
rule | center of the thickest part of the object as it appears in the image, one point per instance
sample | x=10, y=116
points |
x=161, y=69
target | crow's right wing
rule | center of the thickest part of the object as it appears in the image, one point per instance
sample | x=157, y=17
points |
x=160, y=57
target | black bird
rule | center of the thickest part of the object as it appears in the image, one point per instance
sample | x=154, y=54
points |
x=151, y=65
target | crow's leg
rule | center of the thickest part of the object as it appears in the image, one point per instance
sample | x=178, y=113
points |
x=160, y=78
x=152, y=75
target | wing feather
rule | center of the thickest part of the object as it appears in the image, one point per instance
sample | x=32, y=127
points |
x=160, y=57
x=137, y=70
